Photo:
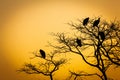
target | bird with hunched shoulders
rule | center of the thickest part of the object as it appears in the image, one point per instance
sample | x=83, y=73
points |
x=102, y=35
x=78, y=42
x=43, y=54
x=96, y=22
x=85, y=21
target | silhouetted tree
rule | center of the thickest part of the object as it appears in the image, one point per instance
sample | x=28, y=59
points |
x=103, y=40
x=112, y=49
x=80, y=75
x=47, y=67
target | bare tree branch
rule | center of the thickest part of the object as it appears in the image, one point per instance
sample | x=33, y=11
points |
x=106, y=46
x=47, y=68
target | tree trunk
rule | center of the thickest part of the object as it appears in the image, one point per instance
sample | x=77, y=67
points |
x=104, y=76
x=51, y=77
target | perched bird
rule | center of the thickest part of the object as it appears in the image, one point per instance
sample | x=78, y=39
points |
x=102, y=35
x=78, y=42
x=85, y=21
x=96, y=22
x=42, y=53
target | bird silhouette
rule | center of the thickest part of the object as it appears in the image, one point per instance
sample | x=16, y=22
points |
x=85, y=21
x=96, y=22
x=102, y=35
x=42, y=53
x=78, y=42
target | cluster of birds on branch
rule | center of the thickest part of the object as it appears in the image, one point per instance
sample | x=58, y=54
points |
x=95, y=24
x=78, y=41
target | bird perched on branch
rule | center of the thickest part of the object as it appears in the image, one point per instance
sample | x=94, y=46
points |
x=85, y=21
x=42, y=53
x=78, y=42
x=102, y=35
x=96, y=22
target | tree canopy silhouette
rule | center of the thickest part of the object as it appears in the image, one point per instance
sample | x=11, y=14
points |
x=100, y=36
x=47, y=67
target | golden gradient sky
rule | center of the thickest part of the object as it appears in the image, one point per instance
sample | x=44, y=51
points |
x=25, y=26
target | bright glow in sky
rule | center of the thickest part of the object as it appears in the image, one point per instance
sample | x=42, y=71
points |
x=25, y=27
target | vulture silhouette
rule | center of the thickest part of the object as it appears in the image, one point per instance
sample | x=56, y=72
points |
x=78, y=42
x=102, y=35
x=42, y=53
x=85, y=21
x=96, y=22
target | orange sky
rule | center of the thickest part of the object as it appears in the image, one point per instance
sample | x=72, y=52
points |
x=25, y=26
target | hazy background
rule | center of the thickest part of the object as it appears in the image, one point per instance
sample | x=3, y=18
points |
x=25, y=26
